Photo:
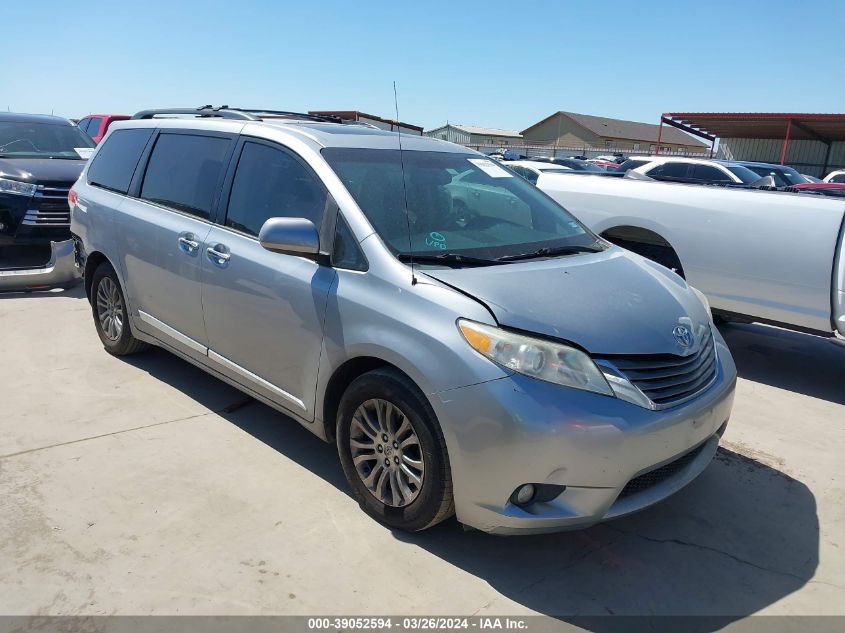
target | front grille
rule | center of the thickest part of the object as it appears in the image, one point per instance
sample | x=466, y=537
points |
x=662, y=473
x=667, y=379
x=50, y=207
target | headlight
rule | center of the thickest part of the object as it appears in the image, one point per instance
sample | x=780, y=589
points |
x=535, y=357
x=17, y=187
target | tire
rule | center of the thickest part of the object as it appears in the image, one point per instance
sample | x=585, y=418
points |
x=111, y=318
x=362, y=420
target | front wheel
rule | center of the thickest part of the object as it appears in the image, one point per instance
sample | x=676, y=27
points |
x=393, y=453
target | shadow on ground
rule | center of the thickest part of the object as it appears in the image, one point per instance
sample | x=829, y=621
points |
x=736, y=540
x=802, y=363
x=76, y=292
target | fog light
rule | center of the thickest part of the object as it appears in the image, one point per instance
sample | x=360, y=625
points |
x=523, y=495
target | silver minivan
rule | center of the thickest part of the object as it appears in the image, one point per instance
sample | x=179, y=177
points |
x=468, y=344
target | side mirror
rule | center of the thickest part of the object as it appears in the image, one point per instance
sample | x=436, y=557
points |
x=292, y=236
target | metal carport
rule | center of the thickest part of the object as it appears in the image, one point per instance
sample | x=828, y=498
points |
x=809, y=140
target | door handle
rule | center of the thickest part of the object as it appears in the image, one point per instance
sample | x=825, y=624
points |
x=218, y=254
x=188, y=243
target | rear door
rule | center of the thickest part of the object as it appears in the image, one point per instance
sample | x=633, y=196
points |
x=263, y=310
x=163, y=228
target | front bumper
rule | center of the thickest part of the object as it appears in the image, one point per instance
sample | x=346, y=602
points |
x=516, y=430
x=59, y=271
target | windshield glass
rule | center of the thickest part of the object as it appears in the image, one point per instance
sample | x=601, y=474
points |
x=456, y=203
x=784, y=176
x=743, y=173
x=23, y=139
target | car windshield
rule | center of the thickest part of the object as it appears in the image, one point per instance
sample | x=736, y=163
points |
x=784, y=176
x=743, y=173
x=24, y=139
x=462, y=204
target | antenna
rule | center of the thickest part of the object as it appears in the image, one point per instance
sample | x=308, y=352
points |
x=404, y=188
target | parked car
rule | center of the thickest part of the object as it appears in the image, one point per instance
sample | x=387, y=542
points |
x=634, y=162
x=531, y=170
x=517, y=370
x=697, y=171
x=783, y=175
x=40, y=159
x=96, y=125
x=762, y=256
x=836, y=189
x=606, y=165
x=575, y=164
x=837, y=176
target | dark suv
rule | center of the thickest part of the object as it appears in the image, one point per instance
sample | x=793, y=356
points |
x=40, y=159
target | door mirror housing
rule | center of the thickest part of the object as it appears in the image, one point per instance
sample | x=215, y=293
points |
x=291, y=236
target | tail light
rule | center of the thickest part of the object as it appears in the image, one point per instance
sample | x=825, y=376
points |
x=72, y=197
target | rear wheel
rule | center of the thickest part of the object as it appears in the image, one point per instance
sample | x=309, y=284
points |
x=392, y=451
x=111, y=317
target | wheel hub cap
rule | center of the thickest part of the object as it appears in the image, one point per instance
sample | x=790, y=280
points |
x=386, y=453
x=110, y=309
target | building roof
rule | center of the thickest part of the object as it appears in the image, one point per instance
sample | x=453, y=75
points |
x=821, y=127
x=629, y=130
x=481, y=131
x=355, y=115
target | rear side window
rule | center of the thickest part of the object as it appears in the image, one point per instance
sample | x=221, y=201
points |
x=115, y=162
x=83, y=125
x=271, y=183
x=184, y=171
x=94, y=127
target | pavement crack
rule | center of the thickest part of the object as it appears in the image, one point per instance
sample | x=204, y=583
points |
x=715, y=550
x=96, y=437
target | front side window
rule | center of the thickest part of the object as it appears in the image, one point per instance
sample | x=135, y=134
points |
x=744, y=174
x=184, y=171
x=24, y=139
x=461, y=204
x=270, y=182
x=838, y=178
x=115, y=162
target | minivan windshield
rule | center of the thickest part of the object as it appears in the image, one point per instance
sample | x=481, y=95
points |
x=457, y=204
x=25, y=139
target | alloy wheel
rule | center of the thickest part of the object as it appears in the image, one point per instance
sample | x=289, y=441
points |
x=110, y=309
x=386, y=453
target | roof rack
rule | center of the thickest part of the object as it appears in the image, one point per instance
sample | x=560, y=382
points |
x=242, y=114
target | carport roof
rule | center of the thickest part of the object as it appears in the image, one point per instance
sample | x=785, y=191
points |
x=820, y=127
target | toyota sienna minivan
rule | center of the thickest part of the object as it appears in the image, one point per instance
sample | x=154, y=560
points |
x=469, y=345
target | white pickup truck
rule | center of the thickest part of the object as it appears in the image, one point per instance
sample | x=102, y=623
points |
x=764, y=256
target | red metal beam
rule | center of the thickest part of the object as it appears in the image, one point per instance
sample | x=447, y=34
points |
x=786, y=142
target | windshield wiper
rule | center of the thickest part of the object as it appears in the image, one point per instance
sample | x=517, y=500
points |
x=447, y=259
x=552, y=252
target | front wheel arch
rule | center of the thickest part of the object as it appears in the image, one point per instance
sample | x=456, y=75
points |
x=647, y=243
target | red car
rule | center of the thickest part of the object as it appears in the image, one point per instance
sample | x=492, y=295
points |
x=96, y=125
x=824, y=188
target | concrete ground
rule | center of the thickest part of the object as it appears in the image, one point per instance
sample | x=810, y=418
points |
x=144, y=486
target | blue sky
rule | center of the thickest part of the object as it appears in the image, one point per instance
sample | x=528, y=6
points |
x=498, y=64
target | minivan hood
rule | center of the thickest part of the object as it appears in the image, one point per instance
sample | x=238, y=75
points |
x=612, y=302
x=41, y=170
